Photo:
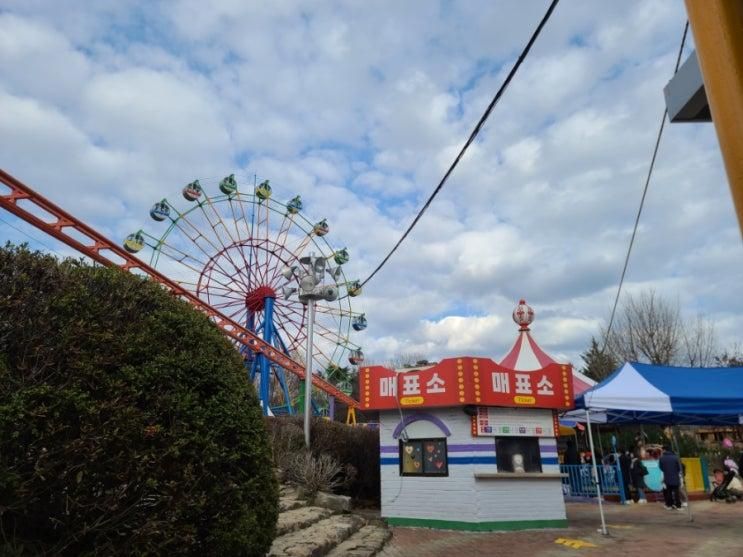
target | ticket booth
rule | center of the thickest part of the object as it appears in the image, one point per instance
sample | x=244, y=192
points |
x=470, y=444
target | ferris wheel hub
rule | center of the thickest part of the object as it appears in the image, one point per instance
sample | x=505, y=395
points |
x=255, y=300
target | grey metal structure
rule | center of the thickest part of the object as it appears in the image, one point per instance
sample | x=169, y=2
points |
x=311, y=288
x=686, y=99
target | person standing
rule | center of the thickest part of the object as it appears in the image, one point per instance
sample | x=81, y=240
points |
x=670, y=465
x=638, y=471
x=625, y=463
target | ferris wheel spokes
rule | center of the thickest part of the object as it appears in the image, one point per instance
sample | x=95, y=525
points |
x=224, y=243
x=338, y=312
x=182, y=219
x=306, y=241
x=182, y=260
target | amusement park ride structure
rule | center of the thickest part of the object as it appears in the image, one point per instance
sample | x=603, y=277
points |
x=266, y=327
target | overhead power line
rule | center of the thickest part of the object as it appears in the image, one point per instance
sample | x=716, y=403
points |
x=14, y=227
x=472, y=136
x=644, y=194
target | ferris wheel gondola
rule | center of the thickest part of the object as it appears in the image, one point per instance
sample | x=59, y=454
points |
x=134, y=242
x=356, y=357
x=193, y=191
x=321, y=228
x=160, y=211
x=359, y=322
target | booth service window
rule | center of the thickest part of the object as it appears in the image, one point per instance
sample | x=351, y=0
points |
x=518, y=454
x=423, y=457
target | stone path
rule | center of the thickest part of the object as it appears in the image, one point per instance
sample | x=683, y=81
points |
x=716, y=531
x=367, y=541
x=311, y=531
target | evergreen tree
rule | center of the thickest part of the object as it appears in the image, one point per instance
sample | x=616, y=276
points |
x=127, y=423
x=597, y=364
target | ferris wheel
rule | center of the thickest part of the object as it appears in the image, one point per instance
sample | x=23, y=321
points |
x=232, y=249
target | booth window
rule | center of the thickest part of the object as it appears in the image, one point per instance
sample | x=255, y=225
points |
x=518, y=454
x=423, y=457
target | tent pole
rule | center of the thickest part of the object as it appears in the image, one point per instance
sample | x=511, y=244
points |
x=601, y=443
x=595, y=473
x=683, y=479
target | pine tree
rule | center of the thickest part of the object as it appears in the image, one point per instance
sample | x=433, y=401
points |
x=597, y=364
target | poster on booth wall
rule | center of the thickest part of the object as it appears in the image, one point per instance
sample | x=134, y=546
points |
x=514, y=422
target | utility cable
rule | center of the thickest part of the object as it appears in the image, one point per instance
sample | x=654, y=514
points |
x=472, y=136
x=28, y=235
x=642, y=199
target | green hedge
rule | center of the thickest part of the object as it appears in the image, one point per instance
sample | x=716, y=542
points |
x=127, y=425
x=350, y=445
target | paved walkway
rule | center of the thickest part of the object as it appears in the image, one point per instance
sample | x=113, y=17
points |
x=717, y=530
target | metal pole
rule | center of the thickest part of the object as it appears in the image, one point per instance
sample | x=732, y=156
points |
x=596, y=473
x=683, y=478
x=308, y=371
x=601, y=443
x=716, y=25
x=331, y=408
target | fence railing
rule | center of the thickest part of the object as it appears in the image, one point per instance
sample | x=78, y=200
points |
x=579, y=481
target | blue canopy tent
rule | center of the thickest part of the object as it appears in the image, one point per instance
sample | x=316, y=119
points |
x=664, y=395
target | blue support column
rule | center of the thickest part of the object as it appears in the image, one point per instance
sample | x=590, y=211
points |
x=263, y=362
x=279, y=343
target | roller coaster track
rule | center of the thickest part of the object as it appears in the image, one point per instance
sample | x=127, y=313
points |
x=59, y=224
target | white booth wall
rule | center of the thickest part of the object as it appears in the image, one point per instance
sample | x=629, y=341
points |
x=461, y=500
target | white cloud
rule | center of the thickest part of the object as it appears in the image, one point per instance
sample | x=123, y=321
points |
x=360, y=108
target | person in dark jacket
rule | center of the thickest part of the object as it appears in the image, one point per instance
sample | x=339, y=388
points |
x=638, y=471
x=670, y=465
x=571, y=454
x=625, y=462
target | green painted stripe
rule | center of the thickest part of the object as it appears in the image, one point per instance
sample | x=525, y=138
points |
x=477, y=526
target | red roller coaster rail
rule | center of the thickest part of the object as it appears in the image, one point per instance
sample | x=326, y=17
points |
x=102, y=250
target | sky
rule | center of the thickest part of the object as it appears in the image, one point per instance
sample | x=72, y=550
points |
x=359, y=107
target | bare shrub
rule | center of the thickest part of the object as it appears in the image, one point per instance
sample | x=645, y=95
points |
x=315, y=473
x=286, y=442
x=355, y=447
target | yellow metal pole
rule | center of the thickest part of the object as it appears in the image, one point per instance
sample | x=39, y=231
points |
x=351, y=416
x=718, y=34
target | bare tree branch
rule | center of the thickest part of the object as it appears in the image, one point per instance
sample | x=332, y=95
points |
x=700, y=344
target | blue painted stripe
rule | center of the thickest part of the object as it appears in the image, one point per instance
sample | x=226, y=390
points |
x=550, y=460
x=389, y=461
x=472, y=460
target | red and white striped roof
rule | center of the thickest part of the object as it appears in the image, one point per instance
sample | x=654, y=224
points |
x=526, y=355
